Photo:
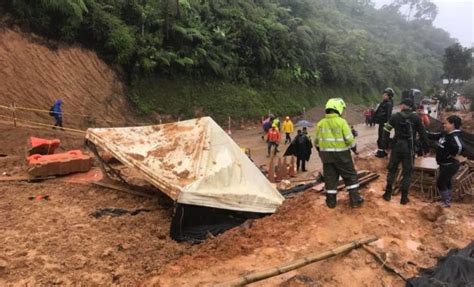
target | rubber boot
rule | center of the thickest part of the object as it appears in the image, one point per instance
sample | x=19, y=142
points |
x=355, y=200
x=388, y=193
x=445, y=198
x=404, y=200
x=381, y=153
x=331, y=200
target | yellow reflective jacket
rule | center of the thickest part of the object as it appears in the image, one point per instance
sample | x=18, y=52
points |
x=333, y=134
x=287, y=126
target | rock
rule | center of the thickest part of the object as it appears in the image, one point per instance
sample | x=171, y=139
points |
x=299, y=281
x=373, y=265
x=123, y=246
x=368, y=259
x=107, y=252
x=77, y=262
x=3, y=265
x=431, y=212
x=439, y=230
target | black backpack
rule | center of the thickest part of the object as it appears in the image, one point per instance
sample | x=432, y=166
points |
x=51, y=111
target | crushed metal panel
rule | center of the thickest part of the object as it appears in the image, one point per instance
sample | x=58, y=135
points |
x=193, y=162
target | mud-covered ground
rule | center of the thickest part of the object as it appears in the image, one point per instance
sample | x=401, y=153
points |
x=57, y=241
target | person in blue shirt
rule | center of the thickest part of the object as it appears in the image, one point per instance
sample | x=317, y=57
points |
x=58, y=113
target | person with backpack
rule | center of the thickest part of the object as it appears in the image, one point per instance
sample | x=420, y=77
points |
x=381, y=116
x=57, y=113
x=334, y=142
x=449, y=146
x=406, y=124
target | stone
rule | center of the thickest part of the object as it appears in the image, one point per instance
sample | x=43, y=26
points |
x=431, y=212
x=3, y=265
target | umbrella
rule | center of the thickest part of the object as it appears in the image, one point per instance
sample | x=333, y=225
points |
x=304, y=123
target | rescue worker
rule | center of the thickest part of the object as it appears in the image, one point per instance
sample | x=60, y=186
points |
x=273, y=139
x=381, y=116
x=406, y=124
x=449, y=146
x=334, y=142
x=287, y=129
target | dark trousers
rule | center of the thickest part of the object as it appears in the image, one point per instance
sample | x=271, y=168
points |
x=301, y=161
x=59, y=121
x=446, y=173
x=287, y=138
x=380, y=138
x=270, y=144
x=401, y=153
x=337, y=164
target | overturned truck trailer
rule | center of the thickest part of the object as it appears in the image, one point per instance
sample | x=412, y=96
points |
x=200, y=167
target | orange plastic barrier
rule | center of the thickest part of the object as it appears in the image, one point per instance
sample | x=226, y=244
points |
x=59, y=164
x=43, y=146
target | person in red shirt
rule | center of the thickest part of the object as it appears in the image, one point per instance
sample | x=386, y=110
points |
x=273, y=139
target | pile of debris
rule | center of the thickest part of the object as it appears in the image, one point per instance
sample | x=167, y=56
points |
x=426, y=171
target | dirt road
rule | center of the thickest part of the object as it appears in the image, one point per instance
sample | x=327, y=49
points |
x=251, y=138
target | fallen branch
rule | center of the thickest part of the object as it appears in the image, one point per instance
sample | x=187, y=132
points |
x=385, y=265
x=258, y=276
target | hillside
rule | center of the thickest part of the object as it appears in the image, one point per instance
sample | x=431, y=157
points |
x=34, y=75
x=190, y=57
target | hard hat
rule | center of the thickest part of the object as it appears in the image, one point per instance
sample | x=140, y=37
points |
x=274, y=126
x=389, y=91
x=287, y=117
x=336, y=104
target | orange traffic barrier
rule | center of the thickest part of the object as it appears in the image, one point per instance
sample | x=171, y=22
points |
x=43, y=146
x=59, y=164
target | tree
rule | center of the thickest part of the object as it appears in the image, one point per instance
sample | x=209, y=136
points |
x=457, y=64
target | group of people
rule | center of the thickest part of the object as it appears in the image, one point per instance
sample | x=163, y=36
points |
x=300, y=146
x=335, y=139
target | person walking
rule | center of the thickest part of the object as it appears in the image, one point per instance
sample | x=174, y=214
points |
x=372, y=113
x=273, y=140
x=449, y=146
x=406, y=124
x=334, y=142
x=367, y=117
x=57, y=113
x=287, y=129
x=381, y=116
x=301, y=149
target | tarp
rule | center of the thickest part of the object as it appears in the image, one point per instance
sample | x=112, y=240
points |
x=193, y=162
x=455, y=269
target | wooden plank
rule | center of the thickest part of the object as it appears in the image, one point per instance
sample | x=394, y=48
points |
x=123, y=188
x=24, y=178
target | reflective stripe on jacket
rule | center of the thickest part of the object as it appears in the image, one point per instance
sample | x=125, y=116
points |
x=334, y=134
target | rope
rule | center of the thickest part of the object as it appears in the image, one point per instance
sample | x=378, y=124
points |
x=41, y=111
x=43, y=125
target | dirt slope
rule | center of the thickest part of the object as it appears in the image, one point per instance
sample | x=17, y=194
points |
x=33, y=75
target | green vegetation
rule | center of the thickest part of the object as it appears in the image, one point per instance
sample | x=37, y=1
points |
x=243, y=57
x=188, y=98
